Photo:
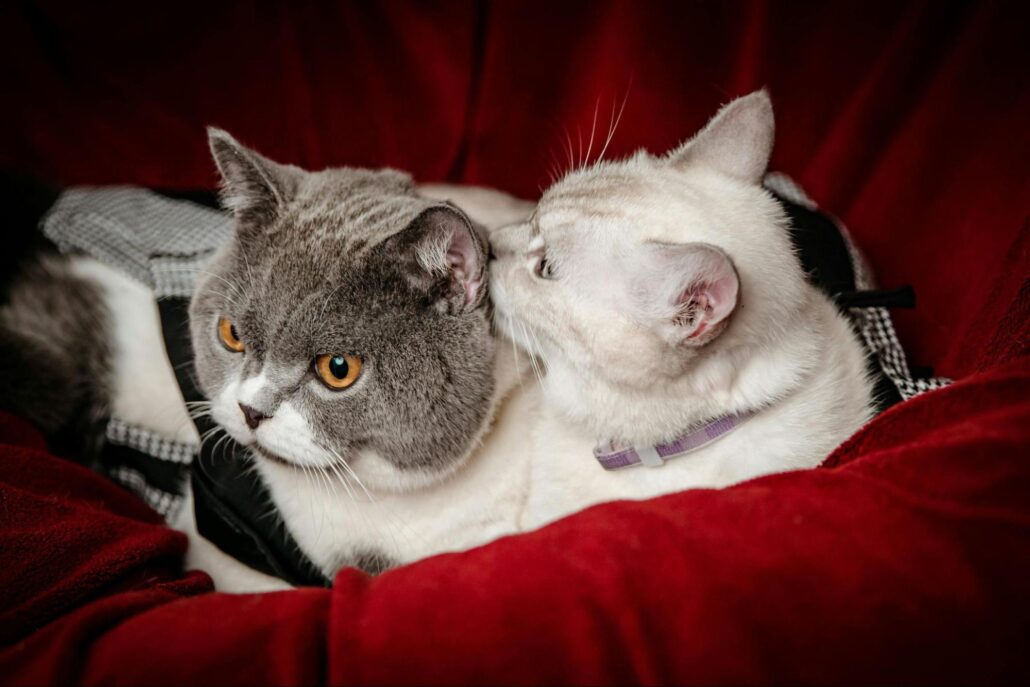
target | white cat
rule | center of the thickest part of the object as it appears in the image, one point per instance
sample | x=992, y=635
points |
x=662, y=294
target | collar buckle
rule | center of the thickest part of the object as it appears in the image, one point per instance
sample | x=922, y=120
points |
x=612, y=457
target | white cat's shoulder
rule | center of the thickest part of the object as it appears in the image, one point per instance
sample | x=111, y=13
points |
x=795, y=432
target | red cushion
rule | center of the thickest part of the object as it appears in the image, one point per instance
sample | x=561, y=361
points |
x=904, y=561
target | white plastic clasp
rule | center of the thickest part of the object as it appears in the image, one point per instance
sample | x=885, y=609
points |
x=649, y=456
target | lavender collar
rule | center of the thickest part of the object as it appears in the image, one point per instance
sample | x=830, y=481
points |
x=612, y=457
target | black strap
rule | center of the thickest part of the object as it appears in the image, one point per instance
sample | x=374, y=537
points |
x=233, y=508
x=821, y=248
x=825, y=257
x=902, y=297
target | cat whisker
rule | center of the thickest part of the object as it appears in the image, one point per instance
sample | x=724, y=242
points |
x=240, y=291
x=352, y=502
x=514, y=348
x=614, y=123
x=552, y=170
x=532, y=357
x=538, y=351
x=225, y=445
x=226, y=297
x=342, y=479
x=395, y=525
x=220, y=444
x=350, y=471
x=579, y=144
x=311, y=502
x=330, y=490
x=208, y=434
x=216, y=428
x=335, y=467
x=199, y=408
x=327, y=299
x=572, y=161
x=250, y=274
x=593, y=130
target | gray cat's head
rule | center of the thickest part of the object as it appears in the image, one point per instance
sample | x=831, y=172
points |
x=346, y=325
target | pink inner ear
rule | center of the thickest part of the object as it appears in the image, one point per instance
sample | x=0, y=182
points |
x=464, y=262
x=707, y=302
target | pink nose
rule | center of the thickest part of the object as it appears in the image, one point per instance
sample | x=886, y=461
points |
x=253, y=416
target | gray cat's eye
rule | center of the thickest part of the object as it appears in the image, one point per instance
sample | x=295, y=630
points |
x=228, y=336
x=338, y=371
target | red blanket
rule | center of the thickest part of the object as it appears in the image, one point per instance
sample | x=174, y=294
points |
x=905, y=559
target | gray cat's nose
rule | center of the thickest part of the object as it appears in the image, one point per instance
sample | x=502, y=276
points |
x=253, y=416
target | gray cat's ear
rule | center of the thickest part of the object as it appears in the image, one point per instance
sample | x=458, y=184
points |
x=737, y=141
x=687, y=290
x=445, y=256
x=253, y=187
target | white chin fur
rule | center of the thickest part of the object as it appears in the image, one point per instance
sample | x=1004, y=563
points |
x=288, y=437
x=286, y=434
x=379, y=474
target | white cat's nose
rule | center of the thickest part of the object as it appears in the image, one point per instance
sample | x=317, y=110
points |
x=504, y=241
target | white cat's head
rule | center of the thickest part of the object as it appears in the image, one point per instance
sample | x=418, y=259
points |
x=646, y=285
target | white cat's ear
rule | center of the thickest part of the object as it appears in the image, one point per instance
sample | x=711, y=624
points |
x=446, y=256
x=688, y=291
x=737, y=141
x=253, y=187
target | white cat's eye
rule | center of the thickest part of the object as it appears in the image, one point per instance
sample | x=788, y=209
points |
x=543, y=268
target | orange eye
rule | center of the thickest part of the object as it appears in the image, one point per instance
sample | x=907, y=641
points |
x=227, y=333
x=338, y=371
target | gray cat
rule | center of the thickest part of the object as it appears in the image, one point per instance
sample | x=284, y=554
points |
x=342, y=334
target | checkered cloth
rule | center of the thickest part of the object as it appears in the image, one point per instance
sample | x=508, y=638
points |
x=164, y=244
x=873, y=324
x=161, y=242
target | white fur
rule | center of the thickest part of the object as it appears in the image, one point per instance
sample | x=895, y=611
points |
x=144, y=388
x=250, y=388
x=614, y=372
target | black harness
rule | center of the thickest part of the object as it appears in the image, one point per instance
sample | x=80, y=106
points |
x=231, y=506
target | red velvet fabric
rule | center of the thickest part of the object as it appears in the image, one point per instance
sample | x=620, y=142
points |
x=904, y=559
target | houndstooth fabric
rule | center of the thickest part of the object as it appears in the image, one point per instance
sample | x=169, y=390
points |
x=874, y=324
x=162, y=243
x=123, y=434
x=877, y=330
x=164, y=502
